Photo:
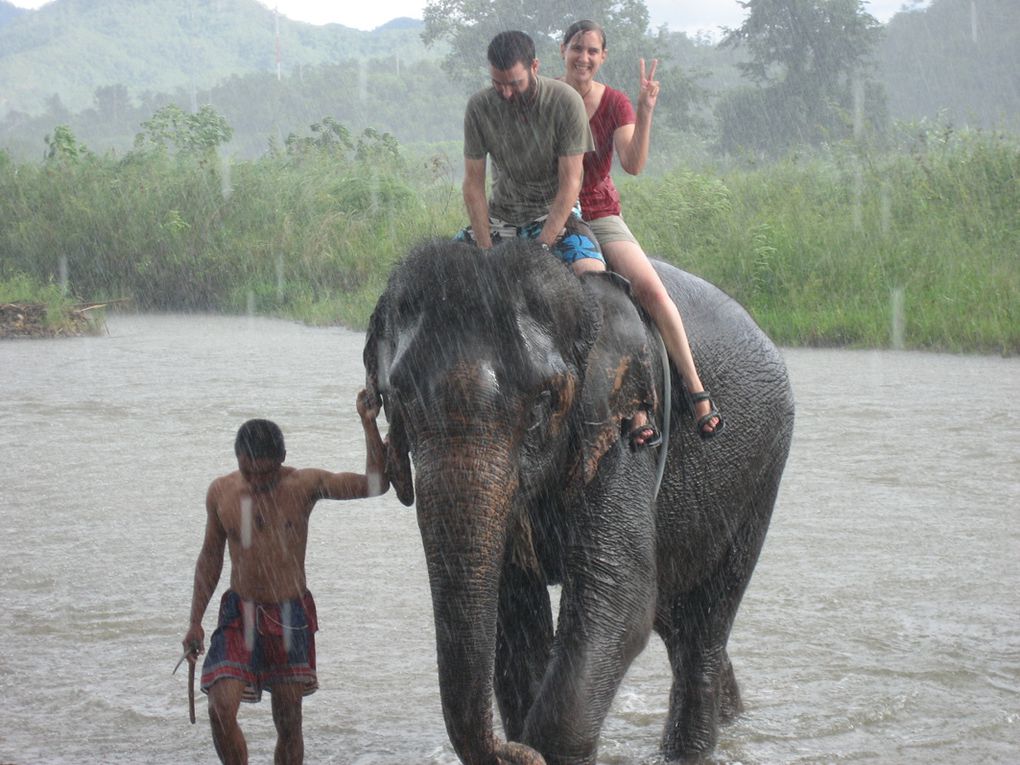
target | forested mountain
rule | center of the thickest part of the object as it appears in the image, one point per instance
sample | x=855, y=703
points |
x=958, y=58
x=9, y=12
x=72, y=47
x=103, y=67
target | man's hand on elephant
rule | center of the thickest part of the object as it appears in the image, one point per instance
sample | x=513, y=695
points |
x=368, y=405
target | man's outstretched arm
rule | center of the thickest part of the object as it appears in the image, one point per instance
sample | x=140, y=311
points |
x=374, y=481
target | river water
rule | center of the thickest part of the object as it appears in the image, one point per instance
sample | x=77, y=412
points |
x=882, y=623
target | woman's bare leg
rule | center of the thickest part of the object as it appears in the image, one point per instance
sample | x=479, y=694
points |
x=630, y=261
x=587, y=264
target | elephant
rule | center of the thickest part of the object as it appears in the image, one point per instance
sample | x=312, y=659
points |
x=511, y=385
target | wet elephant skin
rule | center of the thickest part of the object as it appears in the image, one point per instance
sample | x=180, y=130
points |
x=509, y=384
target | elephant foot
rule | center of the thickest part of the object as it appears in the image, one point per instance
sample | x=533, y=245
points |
x=513, y=753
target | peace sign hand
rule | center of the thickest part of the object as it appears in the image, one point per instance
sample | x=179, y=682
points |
x=649, y=86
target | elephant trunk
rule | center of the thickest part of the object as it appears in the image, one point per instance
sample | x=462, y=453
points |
x=464, y=498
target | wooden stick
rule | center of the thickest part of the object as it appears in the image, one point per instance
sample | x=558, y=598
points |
x=192, y=660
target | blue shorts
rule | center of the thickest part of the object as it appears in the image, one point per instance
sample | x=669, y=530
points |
x=577, y=242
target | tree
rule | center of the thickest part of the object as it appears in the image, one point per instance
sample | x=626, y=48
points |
x=957, y=60
x=63, y=147
x=196, y=134
x=112, y=103
x=809, y=60
x=468, y=26
x=330, y=138
x=56, y=111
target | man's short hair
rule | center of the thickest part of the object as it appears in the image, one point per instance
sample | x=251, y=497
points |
x=509, y=48
x=259, y=439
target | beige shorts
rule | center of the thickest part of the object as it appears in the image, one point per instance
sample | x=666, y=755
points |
x=611, y=228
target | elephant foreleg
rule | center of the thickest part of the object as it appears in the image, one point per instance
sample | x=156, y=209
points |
x=606, y=612
x=524, y=634
x=731, y=705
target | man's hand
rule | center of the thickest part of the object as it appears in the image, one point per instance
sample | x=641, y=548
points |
x=368, y=405
x=194, y=642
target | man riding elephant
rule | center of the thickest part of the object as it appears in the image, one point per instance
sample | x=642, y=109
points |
x=535, y=130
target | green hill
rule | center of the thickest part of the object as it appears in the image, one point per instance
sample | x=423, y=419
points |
x=103, y=67
x=958, y=59
x=72, y=47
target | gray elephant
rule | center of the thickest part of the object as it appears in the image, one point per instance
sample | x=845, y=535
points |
x=512, y=383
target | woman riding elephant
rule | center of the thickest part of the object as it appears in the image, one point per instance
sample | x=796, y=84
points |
x=615, y=126
x=510, y=382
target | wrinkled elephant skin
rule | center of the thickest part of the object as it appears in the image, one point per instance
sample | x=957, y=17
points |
x=510, y=383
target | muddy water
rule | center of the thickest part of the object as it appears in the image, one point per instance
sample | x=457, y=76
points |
x=882, y=624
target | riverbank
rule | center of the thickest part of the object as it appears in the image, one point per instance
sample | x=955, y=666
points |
x=37, y=320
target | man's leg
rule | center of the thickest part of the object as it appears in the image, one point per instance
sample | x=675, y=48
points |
x=578, y=247
x=224, y=701
x=290, y=742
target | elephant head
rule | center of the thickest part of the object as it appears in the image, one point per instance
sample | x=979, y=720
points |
x=507, y=380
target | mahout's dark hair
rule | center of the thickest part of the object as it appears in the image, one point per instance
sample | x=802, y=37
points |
x=259, y=439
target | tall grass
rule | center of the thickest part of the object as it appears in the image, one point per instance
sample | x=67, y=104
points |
x=814, y=247
x=305, y=236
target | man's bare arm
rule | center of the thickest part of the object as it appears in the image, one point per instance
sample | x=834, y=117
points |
x=355, y=485
x=375, y=450
x=208, y=567
x=475, y=201
x=570, y=171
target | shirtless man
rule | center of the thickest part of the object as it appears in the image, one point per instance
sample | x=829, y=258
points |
x=265, y=638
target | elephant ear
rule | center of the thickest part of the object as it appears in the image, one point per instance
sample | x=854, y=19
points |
x=377, y=357
x=618, y=377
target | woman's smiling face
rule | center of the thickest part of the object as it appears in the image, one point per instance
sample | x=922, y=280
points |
x=583, y=56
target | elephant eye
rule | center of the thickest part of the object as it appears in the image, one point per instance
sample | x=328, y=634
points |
x=540, y=409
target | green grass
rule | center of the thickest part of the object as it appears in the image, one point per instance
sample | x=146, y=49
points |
x=814, y=247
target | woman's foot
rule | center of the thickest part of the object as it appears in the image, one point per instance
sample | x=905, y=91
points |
x=709, y=421
x=643, y=434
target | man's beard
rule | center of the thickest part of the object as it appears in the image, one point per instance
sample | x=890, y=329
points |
x=527, y=98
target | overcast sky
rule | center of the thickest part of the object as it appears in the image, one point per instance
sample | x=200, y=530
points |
x=689, y=16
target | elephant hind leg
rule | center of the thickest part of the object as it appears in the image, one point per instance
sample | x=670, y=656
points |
x=704, y=692
x=695, y=704
x=731, y=705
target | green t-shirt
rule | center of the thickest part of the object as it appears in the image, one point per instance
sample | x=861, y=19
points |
x=525, y=145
